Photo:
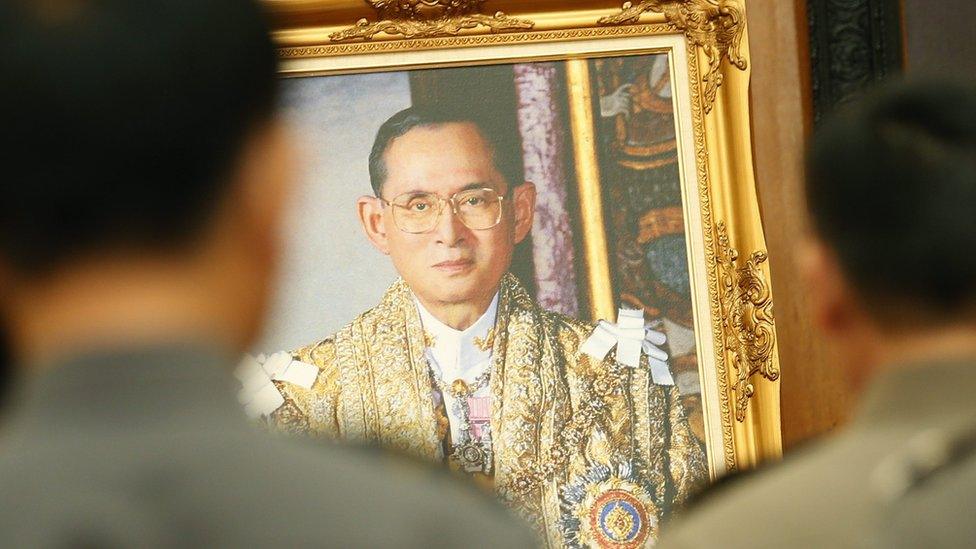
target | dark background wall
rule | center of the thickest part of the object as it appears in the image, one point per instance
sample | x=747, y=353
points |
x=939, y=37
x=807, y=56
x=814, y=398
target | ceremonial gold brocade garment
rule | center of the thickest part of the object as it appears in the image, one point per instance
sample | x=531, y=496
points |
x=593, y=452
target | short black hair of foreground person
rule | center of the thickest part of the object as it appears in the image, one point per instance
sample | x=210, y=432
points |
x=505, y=146
x=891, y=188
x=114, y=147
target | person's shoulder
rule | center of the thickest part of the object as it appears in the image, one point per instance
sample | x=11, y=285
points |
x=705, y=521
x=790, y=492
x=930, y=490
x=570, y=331
x=325, y=348
x=321, y=353
x=238, y=487
x=366, y=497
x=568, y=335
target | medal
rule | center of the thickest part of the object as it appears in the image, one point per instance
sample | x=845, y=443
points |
x=473, y=456
x=470, y=455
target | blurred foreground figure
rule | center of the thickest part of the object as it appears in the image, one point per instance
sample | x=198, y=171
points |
x=142, y=198
x=892, y=192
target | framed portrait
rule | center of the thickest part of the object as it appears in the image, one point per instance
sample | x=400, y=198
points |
x=631, y=122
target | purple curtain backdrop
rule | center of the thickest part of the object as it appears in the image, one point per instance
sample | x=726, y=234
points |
x=543, y=133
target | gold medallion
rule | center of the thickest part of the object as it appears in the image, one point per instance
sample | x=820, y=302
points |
x=460, y=389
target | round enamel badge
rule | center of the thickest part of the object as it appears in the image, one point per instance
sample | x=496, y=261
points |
x=619, y=520
x=605, y=507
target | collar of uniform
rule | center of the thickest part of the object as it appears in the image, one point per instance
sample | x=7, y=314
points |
x=115, y=387
x=460, y=353
x=909, y=393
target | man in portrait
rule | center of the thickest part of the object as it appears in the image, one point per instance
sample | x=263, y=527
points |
x=457, y=363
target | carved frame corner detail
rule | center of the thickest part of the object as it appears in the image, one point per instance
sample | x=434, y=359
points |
x=748, y=325
x=715, y=26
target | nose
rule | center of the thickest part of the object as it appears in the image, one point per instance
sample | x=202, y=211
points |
x=449, y=229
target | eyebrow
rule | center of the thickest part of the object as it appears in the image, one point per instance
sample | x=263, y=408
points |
x=479, y=185
x=468, y=187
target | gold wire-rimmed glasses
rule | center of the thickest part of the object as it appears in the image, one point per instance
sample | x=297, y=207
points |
x=419, y=212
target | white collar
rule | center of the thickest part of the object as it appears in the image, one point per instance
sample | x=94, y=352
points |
x=460, y=353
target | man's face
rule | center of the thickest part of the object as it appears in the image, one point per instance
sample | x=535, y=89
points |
x=450, y=264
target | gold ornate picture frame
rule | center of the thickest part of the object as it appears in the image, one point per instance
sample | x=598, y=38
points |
x=705, y=45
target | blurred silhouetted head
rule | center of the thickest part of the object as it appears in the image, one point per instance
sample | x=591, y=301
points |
x=123, y=120
x=892, y=192
x=142, y=143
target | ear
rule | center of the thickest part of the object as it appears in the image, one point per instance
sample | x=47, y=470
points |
x=834, y=307
x=523, y=204
x=266, y=175
x=373, y=217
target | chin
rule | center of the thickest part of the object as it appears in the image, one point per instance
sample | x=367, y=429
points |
x=447, y=295
x=454, y=291
x=457, y=288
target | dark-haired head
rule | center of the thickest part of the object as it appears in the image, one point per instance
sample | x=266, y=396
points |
x=892, y=192
x=505, y=148
x=124, y=119
x=453, y=261
x=143, y=170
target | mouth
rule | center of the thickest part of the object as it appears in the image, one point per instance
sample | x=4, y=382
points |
x=454, y=266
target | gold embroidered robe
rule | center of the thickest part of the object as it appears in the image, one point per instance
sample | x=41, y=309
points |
x=591, y=451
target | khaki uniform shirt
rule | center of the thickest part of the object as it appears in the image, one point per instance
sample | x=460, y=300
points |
x=902, y=474
x=149, y=448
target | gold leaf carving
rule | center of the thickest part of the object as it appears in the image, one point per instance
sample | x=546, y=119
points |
x=716, y=26
x=427, y=19
x=747, y=318
x=485, y=345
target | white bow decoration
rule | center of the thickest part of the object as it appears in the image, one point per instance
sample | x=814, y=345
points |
x=631, y=336
x=259, y=395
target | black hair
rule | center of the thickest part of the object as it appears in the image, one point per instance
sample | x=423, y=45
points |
x=506, y=148
x=123, y=120
x=892, y=190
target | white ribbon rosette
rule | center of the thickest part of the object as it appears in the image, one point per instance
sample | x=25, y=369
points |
x=631, y=336
x=259, y=395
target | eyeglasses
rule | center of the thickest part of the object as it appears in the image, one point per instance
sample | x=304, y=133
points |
x=416, y=213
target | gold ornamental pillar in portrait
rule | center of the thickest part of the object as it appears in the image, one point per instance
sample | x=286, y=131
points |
x=706, y=42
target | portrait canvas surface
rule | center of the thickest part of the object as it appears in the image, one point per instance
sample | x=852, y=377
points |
x=615, y=143
x=610, y=146
x=333, y=272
